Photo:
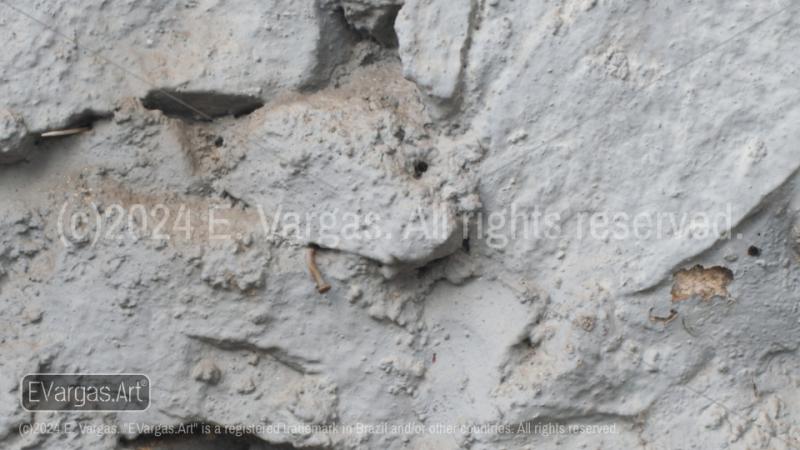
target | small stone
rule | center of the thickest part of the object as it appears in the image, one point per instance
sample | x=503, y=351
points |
x=517, y=137
x=13, y=136
x=354, y=293
x=246, y=386
x=207, y=372
x=32, y=315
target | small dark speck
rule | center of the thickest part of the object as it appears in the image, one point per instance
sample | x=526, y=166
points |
x=219, y=141
x=754, y=251
x=420, y=167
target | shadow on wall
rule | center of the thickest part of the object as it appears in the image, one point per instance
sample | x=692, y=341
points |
x=200, y=436
x=200, y=105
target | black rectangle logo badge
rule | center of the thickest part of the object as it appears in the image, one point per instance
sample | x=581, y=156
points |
x=85, y=392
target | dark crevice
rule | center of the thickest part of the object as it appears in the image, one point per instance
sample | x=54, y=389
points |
x=386, y=34
x=26, y=145
x=86, y=118
x=200, y=105
x=375, y=22
x=235, y=201
x=295, y=362
x=341, y=14
x=201, y=436
x=364, y=35
x=73, y=125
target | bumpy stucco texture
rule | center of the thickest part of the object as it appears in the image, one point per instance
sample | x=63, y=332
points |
x=532, y=214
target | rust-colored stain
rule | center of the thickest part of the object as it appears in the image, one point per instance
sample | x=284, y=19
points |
x=701, y=282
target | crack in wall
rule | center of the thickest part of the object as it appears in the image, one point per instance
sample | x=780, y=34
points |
x=200, y=105
x=201, y=436
x=296, y=363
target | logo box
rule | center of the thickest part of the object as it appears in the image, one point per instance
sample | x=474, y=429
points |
x=85, y=392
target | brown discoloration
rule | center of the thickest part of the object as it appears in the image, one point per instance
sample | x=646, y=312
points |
x=380, y=86
x=701, y=282
x=198, y=145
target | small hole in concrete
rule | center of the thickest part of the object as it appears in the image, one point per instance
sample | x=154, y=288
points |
x=420, y=167
x=754, y=251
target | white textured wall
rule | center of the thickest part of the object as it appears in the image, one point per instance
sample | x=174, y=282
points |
x=531, y=214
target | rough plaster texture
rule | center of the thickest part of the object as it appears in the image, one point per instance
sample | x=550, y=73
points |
x=582, y=112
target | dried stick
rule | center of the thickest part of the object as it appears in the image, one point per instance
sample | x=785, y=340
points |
x=322, y=286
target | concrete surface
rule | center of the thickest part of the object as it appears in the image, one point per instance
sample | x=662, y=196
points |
x=557, y=224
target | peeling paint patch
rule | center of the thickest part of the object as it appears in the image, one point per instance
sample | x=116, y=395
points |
x=701, y=282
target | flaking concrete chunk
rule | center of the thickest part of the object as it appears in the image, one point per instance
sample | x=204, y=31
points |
x=432, y=37
x=362, y=189
x=13, y=137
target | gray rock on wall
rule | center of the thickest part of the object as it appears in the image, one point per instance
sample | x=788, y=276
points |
x=13, y=137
